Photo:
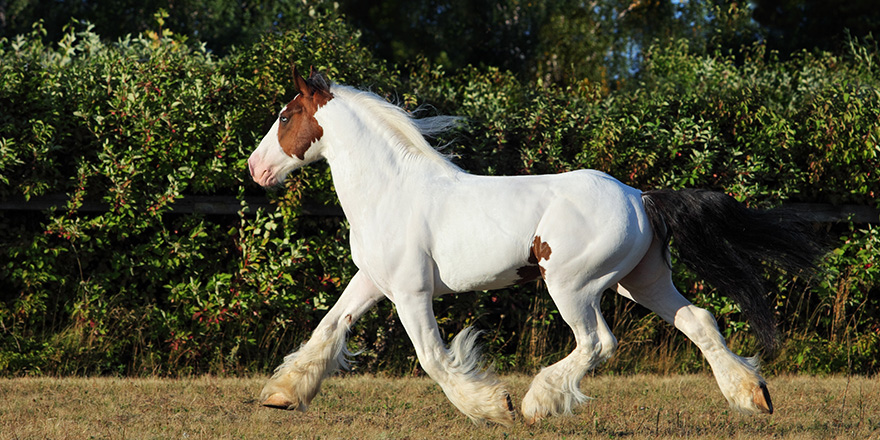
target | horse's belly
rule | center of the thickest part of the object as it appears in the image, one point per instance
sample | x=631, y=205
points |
x=478, y=282
x=487, y=268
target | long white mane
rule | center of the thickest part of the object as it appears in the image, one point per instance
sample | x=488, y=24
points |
x=406, y=131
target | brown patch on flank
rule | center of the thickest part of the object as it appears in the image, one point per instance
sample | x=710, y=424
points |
x=528, y=273
x=538, y=251
x=298, y=129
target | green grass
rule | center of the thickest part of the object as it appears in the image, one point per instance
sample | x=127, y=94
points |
x=352, y=407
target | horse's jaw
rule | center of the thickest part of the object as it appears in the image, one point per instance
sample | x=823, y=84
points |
x=269, y=165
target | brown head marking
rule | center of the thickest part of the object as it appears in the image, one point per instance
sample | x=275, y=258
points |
x=298, y=129
x=539, y=250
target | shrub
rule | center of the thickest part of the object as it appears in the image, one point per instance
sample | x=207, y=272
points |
x=136, y=287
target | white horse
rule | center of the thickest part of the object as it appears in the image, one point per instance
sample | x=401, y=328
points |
x=421, y=227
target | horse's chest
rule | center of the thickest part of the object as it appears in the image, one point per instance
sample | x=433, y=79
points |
x=390, y=258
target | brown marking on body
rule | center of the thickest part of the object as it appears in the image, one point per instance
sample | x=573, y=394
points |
x=298, y=129
x=539, y=250
x=528, y=273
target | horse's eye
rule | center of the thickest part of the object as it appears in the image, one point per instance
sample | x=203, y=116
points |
x=284, y=119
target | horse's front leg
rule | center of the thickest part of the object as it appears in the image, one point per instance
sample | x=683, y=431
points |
x=474, y=390
x=298, y=379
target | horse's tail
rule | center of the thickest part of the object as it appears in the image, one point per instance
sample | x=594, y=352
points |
x=725, y=243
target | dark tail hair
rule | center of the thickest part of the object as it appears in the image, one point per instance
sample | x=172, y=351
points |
x=725, y=244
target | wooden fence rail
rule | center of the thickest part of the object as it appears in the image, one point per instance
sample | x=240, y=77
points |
x=210, y=205
x=229, y=205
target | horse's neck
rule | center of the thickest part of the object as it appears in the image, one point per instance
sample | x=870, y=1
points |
x=370, y=170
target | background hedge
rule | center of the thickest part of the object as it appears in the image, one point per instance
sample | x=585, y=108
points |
x=137, y=124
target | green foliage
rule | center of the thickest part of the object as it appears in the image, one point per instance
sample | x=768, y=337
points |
x=766, y=130
x=561, y=42
x=838, y=328
x=218, y=24
x=134, y=126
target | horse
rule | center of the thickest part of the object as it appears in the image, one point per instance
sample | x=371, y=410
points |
x=422, y=227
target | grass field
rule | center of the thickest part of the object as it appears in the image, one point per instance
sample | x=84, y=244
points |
x=367, y=407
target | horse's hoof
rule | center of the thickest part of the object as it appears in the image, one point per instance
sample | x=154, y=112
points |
x=278, y=401
x=761, y=398
x=534, y=418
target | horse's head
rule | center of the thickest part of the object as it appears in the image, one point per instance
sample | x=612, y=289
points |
x=294, y=139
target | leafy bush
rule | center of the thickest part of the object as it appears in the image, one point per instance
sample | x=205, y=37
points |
x=134, y=126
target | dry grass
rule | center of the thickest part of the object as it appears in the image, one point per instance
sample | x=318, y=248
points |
x=367, y=407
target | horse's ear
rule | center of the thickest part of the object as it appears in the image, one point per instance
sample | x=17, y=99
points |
x=300, y=83
x=317, y=80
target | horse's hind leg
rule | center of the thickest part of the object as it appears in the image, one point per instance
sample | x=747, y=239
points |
x=650, y=284
x=556, y=389
x=298, y=379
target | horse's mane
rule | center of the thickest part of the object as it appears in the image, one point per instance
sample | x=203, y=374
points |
x=407, y=131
